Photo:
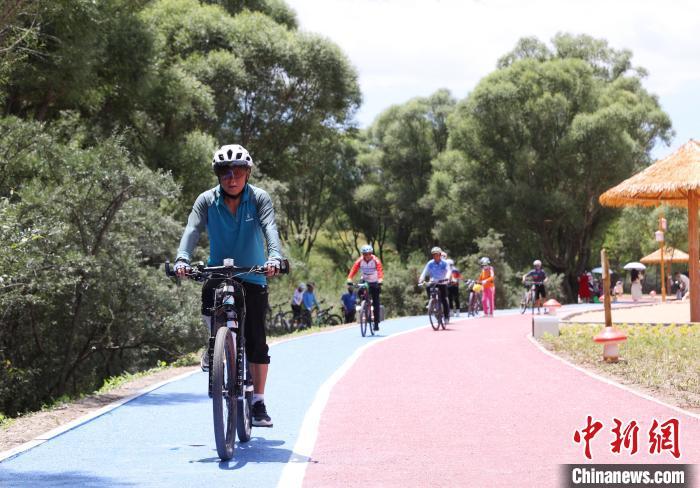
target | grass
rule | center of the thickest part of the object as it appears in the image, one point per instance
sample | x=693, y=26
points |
x=665, y=359
x=5, y=421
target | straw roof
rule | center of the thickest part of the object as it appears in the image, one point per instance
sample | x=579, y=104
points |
x=671, y=255
x=666, y=181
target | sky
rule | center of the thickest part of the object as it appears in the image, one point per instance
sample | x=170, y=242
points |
x=408, y=48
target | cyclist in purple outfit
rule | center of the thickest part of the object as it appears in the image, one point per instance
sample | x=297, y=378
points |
x=538, y=278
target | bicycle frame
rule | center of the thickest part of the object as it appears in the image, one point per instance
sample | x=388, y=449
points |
x=529, y=297
x=230, y=386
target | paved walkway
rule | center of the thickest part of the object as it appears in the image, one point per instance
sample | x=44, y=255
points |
x=648, y=310
x=476, y=405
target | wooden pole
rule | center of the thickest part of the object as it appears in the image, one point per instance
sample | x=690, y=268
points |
x=663, y=248
x=694, y=255
x=606, y=288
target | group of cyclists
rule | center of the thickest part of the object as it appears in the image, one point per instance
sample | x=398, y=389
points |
x=239, y=219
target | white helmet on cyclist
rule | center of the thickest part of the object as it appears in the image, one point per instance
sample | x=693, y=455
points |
x=436, y=250
x=484, y=261
x=536, y=263
x=231, y=155
x=366, y=249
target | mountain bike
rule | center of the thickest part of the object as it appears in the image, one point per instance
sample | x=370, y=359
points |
x=279, y=322
x=324, y=316
x=366, y=312
x=528, y=300
x=474, y=298
x=438, y=317
x=230, y=379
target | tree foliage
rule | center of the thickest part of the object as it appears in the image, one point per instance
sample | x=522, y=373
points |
x=403, y=141
x=82, y=297
x=542, y=137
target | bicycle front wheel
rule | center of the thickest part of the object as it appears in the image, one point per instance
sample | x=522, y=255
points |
x=223, y=394
x=364, y=319
x=524, y=302
x=334, y=319
x=433, y=315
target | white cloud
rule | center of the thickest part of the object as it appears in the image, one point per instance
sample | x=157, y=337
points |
x=404, y=49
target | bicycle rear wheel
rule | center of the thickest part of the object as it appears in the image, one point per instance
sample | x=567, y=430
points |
x=223, y=395
x=244, y=426
x=433, y=315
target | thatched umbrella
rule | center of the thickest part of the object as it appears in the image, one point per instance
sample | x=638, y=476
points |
x=671, y=255
x=674, y=180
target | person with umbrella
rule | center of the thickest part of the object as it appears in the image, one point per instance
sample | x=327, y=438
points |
x=636, y=288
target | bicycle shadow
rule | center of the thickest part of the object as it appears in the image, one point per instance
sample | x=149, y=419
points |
x=170, y=398
x=257, y=450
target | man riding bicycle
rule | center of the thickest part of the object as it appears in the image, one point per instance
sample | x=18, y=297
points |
x=439, y=271
x=538, y=278
x=239, y=220
x=373, y=275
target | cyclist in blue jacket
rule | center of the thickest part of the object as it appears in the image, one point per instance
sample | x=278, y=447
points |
x=240, y=222
x=439, y=271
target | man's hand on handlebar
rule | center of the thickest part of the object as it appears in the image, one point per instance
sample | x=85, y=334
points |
x=182, y=268
x=272, y=267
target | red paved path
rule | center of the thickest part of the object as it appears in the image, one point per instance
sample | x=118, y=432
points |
x=478, y=405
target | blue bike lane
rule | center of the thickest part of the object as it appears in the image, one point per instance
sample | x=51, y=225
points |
x=165, y=437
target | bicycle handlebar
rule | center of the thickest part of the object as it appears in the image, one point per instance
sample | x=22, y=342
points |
x=433, y=283
x=199, y=272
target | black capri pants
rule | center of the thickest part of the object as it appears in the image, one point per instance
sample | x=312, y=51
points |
x=256, y=307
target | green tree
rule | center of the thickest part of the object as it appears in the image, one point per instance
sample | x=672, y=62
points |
x=277, y=10
x=81, y=297
x=241, y=76
x=18, y=35
x=90, y=56
x=543, y=136
x=402, y=142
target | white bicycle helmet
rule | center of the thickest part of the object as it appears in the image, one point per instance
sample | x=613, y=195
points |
x=436, y=250
x=366, y=249
x=231, y=155
x=537, y=262
x=484, y=261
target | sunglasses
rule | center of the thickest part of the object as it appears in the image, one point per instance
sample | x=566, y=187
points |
x=235, y=172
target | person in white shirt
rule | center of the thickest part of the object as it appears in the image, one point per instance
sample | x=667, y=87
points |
x=296, y=303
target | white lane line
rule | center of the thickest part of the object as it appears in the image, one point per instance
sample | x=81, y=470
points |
x=294, y=471
x=41, y=438
x=610, y=381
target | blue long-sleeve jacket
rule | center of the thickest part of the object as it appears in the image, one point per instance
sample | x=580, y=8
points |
x=242, y=236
